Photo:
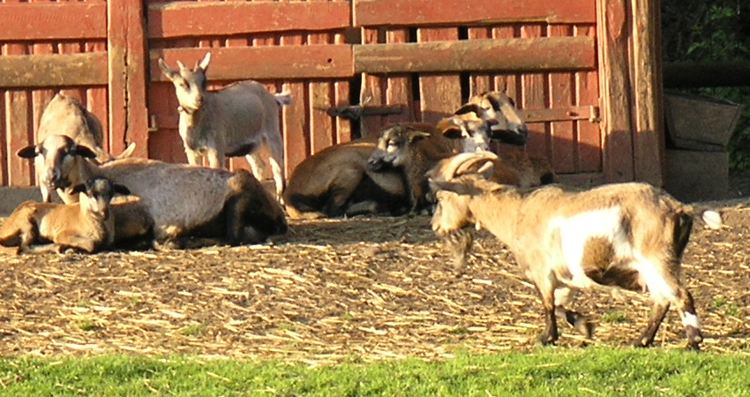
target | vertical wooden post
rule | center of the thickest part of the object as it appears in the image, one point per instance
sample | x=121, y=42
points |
x=614, y=83
x=127, y=75
x=648, y=138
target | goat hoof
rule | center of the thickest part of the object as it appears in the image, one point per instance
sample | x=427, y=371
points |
x=585, y=328
x=642, y=342
x=545, y=339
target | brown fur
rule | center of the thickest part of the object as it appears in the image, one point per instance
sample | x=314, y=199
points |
x=325, y=183
x=81, y=225
x=651, y=221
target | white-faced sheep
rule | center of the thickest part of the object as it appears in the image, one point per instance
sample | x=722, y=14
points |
x=629, y=235
x=230, y=122
x=64, y=115
x=87, y=225
x=181, y=199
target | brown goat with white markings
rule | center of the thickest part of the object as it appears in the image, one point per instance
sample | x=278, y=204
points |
x=629, y=235
x=87, y=225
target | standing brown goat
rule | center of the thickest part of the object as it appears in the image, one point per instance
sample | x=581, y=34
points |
x=629, y=235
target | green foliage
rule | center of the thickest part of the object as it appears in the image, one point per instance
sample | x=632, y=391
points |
x=543, y=372
x=713, y=31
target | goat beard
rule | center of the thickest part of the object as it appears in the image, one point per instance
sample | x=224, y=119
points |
x=459, y=243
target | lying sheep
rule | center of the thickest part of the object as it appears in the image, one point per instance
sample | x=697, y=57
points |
x=86, y=225
x=629, y=235
x=180, y=198
x=230, y=122
x=333, y=180
x=64, y=115
x=414, y=150
x=338, y=181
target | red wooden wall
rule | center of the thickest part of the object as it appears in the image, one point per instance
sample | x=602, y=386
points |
x=423, y=57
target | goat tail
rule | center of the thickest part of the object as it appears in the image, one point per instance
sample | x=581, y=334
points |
x=283, y=99
x=709, y=216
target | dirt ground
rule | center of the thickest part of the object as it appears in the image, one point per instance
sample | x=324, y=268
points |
x=336, y=290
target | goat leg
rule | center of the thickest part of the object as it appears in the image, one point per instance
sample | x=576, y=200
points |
x=547, y=293
x=686, y=306
x=72, y=240
x=658, y=312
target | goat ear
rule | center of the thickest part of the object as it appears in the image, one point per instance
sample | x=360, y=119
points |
x=203, y=64
x=417, y=135
x=79, y=188
x=165, y=70
x=83, y=151
x=120, y=189
x=440, y=184
x=29, y=152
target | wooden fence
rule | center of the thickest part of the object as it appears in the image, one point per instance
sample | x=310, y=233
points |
x=572, y=66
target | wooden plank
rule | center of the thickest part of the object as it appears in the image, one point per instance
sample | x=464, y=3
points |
x=127, y=76
x=281, y=62
x=478, y=82
x=18, y=127
x=97, y=97
x=559, y=114
x=53, y=70
x=53, y=21
x=294, y=115
x=510, y=83
x=529, y=54
x=440, y=94
x=341, y=90
x=321, y=96
x=614, y=83
x=563, y=143
x=587, y=94
x=398, y=90
x=648, y=138
x=4, y=156
x=464, y=12
x=372, y=92
x=40, y=98
x=187, y=19
x=534, y=90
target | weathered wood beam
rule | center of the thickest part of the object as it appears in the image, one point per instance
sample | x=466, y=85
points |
x=53, y=21
x=614, y=83
x=52, y=70
x=693, y=74
x=280, y=62
x=648, y=94
x=186, y=19
x=462, y=12
x=510, y=55
x=127, y=77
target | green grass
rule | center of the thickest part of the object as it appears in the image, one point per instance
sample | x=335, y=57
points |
x=544, y=372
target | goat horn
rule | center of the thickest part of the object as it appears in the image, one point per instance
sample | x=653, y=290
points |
x=462, y=159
